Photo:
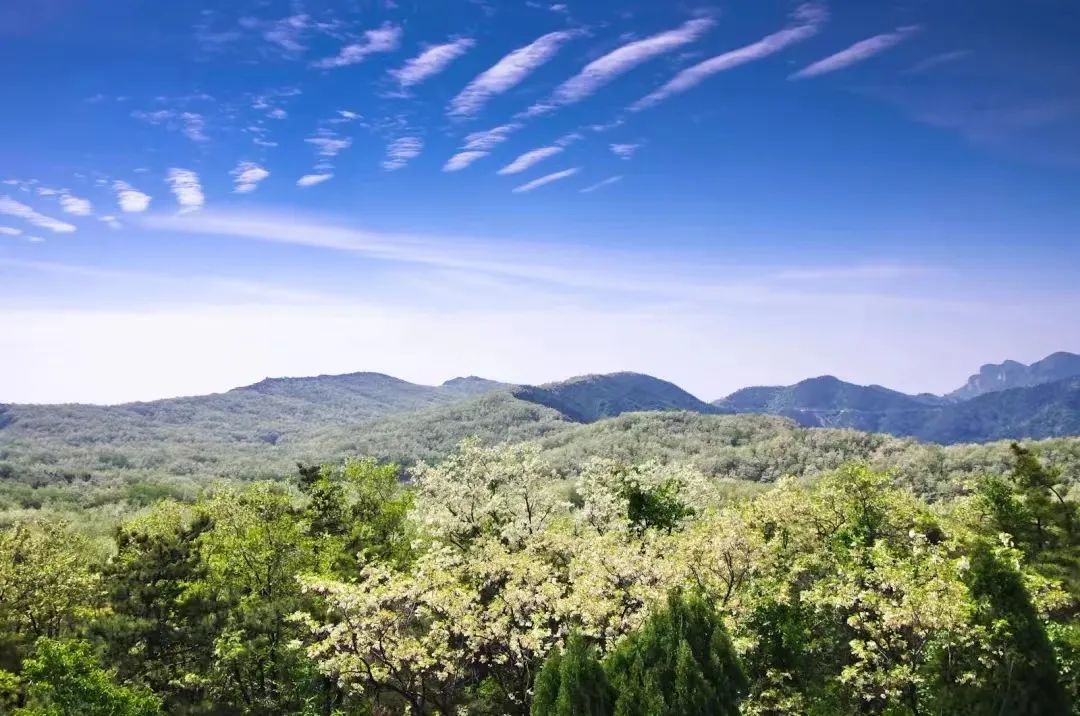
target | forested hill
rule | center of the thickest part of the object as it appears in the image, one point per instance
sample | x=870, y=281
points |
x=593, y=397
x=264, y=428
x=1040, y=411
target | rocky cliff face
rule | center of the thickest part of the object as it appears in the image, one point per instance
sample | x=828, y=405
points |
x=1012, y=374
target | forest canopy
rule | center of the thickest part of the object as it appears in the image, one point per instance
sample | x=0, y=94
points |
x=497, y=582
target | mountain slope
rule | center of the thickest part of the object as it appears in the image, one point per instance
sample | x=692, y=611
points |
x=592, y=397
x=827, y=402
x=824, y=393
x=1039, y=411
x=249, y=430
x=1011, y=374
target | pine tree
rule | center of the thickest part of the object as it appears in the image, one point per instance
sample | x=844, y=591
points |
x=572, y=683
x=680, y=663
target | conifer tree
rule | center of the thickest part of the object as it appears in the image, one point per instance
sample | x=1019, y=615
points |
x=572, y=683
x=680, y=663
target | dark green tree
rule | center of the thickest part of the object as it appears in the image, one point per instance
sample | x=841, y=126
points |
x=161, y=627
x=1024, y=675
x=572, y=682
x=359, y=511
x=681, y=663
x=1051, y=518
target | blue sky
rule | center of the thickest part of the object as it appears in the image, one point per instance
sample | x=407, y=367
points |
x=198, y=195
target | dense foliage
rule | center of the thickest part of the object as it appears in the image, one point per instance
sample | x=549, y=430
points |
x=74, y=482
x=511, y=580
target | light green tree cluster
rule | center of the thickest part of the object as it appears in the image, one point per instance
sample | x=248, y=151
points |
x=488, y=585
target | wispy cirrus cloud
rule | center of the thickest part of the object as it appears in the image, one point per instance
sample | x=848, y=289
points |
x=624, y=151
x=401, y=151
x=186, y=187
x=808, y=20
x=246, y=177
x=462, y=160
x=75, y=205
x=529, y=159
x=601, y=184
x=10, y=231
x=600, y=72
x=287, y=33
x=328, y=143
x=544, y=180
x=508, y=72
x=191, y=124
x=943, y=58
x=130, y=199
x=859, y=52
x=431, y=62
x=478, y=145
x=313, y=179
x=17, y=209
x=386, y=38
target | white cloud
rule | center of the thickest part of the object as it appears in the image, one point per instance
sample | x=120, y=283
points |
x=507, y=73
x=111, y=221
x=130, y=199
x=287, y=33
x=185, y=185
x=194, y=127
x=943, y=58
x=160, y=116
x=35, y=239
x=191, y=124
x=618, y=62
x=400, y=151
x=10, y=231
x=329, y=144
x=461, y=160
x=490, y=138
x=313, y=179
x=479, y=145
x=624, y=151
x=384, y=39
x=431, y=62
x=528, y=159
x=600, y=185
x=808, y=20
x=857, y=53
x=75, y=205
x=10, y=207
x=348, y=116
x=537, y=183
x=247, y=176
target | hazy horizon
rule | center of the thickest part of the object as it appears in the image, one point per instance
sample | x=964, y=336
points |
x=195, y=197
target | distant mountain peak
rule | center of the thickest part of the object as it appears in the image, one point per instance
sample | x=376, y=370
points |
x=586, y=398
x=471, y=385
x=994, y=377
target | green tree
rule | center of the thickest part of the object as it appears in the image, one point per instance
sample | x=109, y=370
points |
x=258, y=546
x=572, y=682
x=1025, y=677
x=48, y=587
x=63, y=678
x=1051, y=518
x=681, y=663
x=359, y=511
x=163, y=618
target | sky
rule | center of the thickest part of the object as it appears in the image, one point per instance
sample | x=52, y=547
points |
x=199, y=195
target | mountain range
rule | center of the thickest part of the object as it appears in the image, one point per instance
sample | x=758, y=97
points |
x=280, y=420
